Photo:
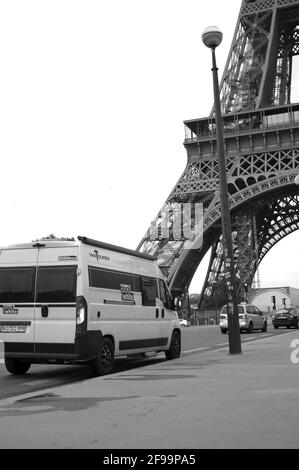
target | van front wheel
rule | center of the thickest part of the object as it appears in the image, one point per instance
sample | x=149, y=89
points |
x=174, y=351
x=104, y=362
x=17, y=367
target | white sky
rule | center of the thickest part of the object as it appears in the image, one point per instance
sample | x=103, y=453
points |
x=93, y=95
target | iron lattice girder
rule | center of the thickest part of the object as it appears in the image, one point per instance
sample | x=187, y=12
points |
x=266, y=31
x=245, y=252
x=266, y=222
x=261, y=132
x=215, y=267
x=246, y=257
x=289, y=41
x=242, y=76
x=262, y=155
x=277, y=219
x=258, y=6
x=259, y=145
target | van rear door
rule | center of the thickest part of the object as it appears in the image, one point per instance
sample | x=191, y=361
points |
x=55, y=309
x=17, y=282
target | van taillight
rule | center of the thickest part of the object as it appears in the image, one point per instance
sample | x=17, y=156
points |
x=81, y=310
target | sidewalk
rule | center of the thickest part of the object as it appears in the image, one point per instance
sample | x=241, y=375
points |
x=202, y=400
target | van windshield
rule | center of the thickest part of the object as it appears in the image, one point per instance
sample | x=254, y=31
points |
x=17, y=284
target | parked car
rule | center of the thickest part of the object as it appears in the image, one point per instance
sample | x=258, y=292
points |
x=286, y=317
x=184, y=322
x=250, y=318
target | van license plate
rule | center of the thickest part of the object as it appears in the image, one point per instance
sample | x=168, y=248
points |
x=13, y=328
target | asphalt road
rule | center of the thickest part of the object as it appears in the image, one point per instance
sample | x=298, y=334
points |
x=40, y=377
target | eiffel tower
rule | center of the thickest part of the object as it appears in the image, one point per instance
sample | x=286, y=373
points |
x=261, y=133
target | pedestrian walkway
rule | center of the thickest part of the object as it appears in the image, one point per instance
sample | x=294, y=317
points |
x=202, y=400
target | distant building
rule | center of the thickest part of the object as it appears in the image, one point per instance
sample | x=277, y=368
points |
x=263, y=298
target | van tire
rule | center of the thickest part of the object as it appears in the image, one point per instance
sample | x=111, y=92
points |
x=17, y=367
x=174, y=350
x=104, y=362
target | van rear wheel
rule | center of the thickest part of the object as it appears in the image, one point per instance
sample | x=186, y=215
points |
x=17, y=367
x=174, y=351
x=104, y=362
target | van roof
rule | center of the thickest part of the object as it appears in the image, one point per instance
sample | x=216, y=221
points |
x=118, y=249
x=56, y=243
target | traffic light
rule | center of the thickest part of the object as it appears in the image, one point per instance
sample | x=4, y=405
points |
x=273, y=300
x=284, y=302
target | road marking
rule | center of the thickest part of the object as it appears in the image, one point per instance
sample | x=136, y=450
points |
x=37, y=382
x=219, y=345
x=256, y=337
x=243, y=339
x=196, y=350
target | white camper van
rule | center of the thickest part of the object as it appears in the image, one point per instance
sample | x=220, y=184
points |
x=80, y=301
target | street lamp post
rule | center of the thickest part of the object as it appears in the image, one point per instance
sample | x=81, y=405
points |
x=212, y=37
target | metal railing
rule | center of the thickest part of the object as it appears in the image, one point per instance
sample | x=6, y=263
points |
x=243, y=123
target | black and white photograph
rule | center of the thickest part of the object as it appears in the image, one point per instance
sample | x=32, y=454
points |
x=149, y=244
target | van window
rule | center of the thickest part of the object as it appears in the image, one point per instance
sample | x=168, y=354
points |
x=257, y=311
x=56, y=284
x=17, y=284
x=108, y=279
x=250, y=309
x=149, y=291
x=165, y=296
